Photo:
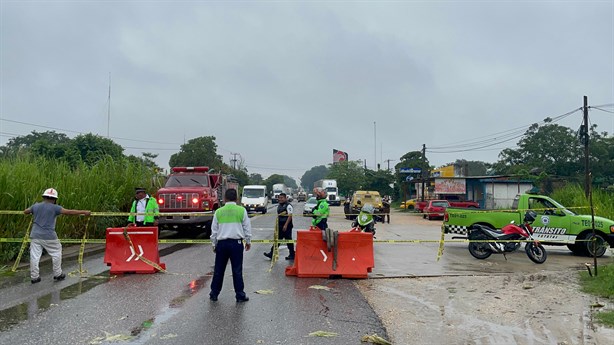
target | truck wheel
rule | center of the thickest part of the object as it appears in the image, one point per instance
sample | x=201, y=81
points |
x=264, y=211
x=576, y=249
x=536, y=253
x=424, y=216
x=479, y=250
x=600, y=243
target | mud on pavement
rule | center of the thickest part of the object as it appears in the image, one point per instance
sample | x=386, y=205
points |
x=539, y=308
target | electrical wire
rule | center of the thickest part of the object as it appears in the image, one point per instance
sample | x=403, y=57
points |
x=499, y=137
x=607, y=111
x=77, y=132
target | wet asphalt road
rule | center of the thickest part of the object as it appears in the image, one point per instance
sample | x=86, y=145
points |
x=174, y=308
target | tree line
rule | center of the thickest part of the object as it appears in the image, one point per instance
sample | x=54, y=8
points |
x=545, y=153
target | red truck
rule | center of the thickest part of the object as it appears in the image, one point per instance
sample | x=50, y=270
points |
x=453, y=201
x=192, y=190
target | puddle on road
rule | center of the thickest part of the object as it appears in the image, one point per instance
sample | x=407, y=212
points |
x=173, y=308
x=12, y=316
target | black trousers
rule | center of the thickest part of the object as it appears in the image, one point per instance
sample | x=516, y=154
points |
x=143, y=224
x=228, y=250
x=285, y=235
x=323, y=224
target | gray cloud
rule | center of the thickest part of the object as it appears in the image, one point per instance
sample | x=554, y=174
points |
x=285, y=83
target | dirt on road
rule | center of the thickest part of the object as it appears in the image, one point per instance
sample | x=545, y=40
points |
x=503, y=309
x=532, y=305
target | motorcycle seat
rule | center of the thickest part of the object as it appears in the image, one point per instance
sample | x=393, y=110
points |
x=499, y=235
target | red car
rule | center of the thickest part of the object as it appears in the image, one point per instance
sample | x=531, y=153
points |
x=435, y=208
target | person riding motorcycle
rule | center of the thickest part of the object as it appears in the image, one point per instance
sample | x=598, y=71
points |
x=365, y=220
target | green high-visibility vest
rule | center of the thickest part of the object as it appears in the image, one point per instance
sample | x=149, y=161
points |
x=151, y=211
x=320, y=212
x=230, y=213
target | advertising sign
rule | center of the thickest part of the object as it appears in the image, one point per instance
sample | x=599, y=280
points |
x=339, y=156
x=450, y=186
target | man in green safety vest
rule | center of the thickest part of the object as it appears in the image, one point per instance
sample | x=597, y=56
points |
x=229, y=229
x=321, y=210
x=146, y=208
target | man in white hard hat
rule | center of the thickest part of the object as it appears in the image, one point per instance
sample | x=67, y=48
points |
x=43, y=234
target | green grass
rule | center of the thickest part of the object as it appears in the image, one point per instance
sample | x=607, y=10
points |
x=602, y=286
x=573, y=196
x=107, y=186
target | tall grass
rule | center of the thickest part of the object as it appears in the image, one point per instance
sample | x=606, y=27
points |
x=107, y=186
x=573, y=196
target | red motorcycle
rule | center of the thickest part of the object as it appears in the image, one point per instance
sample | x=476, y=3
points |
x=507, y=240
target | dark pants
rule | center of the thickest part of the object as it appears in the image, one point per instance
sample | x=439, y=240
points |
x=143, y=224
x=228, y=250
x=285, y=235
x=323, y=224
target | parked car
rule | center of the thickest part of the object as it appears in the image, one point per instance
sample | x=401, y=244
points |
x=435, y=208
x=421, y=205
x=309, y=205
x=408, y=204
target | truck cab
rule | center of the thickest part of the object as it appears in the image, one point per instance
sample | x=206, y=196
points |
x=254, y=198
x=189, y=198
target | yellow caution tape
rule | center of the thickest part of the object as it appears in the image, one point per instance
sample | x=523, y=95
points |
x=25, y=240
x=441, y=242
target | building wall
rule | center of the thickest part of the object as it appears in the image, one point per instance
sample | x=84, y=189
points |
x=501, y=195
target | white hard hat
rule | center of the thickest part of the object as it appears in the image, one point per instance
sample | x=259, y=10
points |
x=50, y=193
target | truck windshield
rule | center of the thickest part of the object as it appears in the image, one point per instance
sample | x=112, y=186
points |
x=253, y=193
x=187, y=181
x=331, y=189
x=542, y=205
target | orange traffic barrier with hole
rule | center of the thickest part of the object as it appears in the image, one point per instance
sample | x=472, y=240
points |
x=354, y=257
x=133, y=250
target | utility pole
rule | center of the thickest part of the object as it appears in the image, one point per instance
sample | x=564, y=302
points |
x=109, y=110
x=388, y=161
x=585, y=137
x=374, y=146
x=234, y=160
x=587, y=182
x=424, y=170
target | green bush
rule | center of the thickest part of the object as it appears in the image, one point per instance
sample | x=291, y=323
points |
x=106, y=186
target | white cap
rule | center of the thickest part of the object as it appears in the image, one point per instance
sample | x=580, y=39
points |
x=51, y=193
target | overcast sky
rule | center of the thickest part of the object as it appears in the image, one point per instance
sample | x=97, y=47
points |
x=282, y=83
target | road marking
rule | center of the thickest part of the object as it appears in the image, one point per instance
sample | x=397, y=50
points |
x=324, y=255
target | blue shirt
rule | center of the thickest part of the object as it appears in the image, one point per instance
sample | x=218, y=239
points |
x=43, y=224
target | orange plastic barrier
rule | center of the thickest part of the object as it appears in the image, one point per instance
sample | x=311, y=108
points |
x=312, y=259
x=125, y=258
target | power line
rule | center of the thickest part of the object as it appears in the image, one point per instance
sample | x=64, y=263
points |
x=503, y=136
x=78, y=132
x=478, y=148
x=607, y=111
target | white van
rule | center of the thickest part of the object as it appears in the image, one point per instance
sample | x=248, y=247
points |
x=254, y=198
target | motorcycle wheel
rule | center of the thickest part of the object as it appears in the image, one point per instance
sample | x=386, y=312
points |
x=479, y=250
x=537, y=253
